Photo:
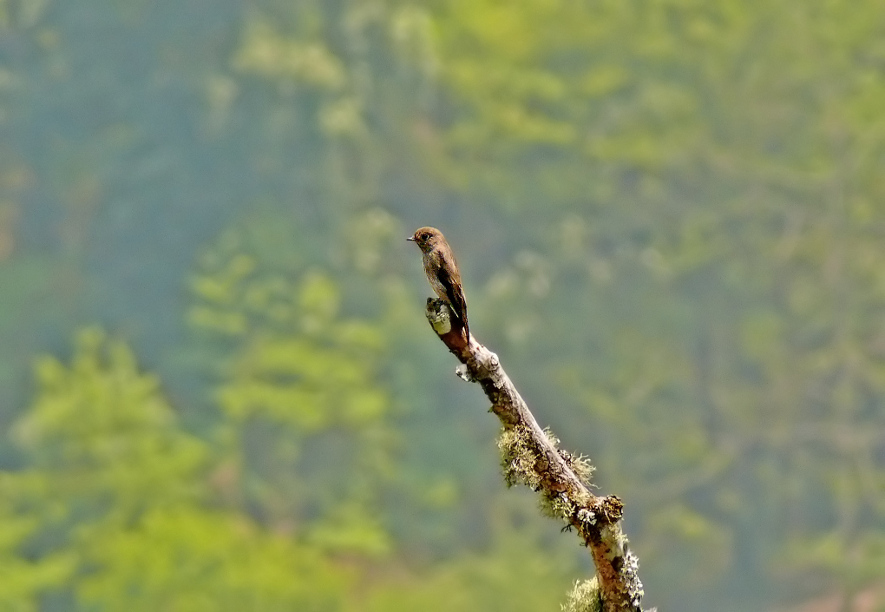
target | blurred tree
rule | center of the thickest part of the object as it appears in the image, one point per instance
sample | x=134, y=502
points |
x=308, y=426
x=110, y=512
x=706, y=250
x=510, y=574
x=667, y=214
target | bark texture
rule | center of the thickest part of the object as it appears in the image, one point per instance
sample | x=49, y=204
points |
x=530, y=456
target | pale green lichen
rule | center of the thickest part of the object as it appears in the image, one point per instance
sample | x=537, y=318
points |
x=630, y=573
x=584, y=597
x=587, y=518
x=580, y=465
x=518, y=458
x=438, y=316
x=558, y=507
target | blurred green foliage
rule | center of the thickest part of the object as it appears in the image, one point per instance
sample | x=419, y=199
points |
x=111, y=485
x=669, y=220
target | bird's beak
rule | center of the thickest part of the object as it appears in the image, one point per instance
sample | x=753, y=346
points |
x=411, y=239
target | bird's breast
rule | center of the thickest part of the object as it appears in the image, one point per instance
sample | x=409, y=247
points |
x=432, y=267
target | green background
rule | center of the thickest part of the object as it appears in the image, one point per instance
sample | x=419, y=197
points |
x=217, y=387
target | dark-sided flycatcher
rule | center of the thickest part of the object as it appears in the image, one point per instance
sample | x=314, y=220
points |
x=442, y=270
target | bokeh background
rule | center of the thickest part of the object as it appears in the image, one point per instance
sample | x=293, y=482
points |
x=217, y=387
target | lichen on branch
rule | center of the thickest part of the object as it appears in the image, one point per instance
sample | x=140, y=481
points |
x=530, y=455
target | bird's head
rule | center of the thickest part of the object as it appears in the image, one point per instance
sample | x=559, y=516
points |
x=426, y=238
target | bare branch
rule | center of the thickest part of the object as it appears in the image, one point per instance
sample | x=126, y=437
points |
x=529, y=455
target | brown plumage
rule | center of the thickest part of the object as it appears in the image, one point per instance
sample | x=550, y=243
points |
x=442, y=270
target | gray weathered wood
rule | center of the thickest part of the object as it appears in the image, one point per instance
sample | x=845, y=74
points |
x=530, y=456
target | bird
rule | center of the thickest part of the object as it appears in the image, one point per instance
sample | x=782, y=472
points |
x=442, y=270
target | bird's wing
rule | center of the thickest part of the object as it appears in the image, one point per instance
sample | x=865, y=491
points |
x=455, y=293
